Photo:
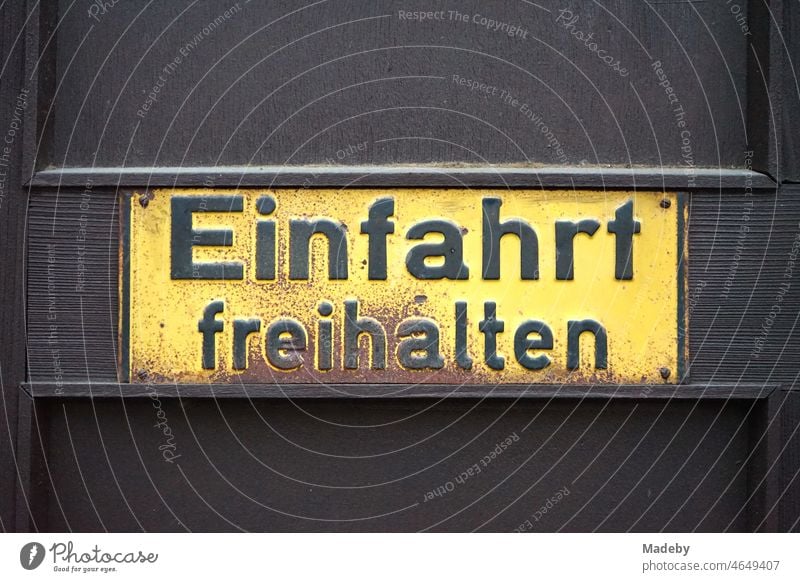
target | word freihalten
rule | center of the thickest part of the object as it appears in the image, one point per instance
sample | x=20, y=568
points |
x=419, y=348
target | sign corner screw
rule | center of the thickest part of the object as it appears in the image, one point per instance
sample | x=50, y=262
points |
x=665, y=372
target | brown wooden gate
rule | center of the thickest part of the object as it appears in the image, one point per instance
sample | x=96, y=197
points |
x=101, y=100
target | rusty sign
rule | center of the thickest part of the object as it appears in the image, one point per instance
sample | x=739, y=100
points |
x=402, y=286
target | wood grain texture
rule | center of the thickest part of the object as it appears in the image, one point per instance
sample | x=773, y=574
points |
x=73, y=297
x=744, y=296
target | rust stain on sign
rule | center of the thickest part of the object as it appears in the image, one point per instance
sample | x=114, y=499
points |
x=403, y=286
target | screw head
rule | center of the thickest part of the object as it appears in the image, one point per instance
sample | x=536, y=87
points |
x=665, y=203
x=265, y=205
x=665, y=372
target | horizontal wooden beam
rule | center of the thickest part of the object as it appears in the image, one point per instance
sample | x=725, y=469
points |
x=372, y=391
x=667, y=178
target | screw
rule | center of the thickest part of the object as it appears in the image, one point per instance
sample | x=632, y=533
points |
x=145, y=199
x=142, y=374
x=665, y=372
x=665, y=203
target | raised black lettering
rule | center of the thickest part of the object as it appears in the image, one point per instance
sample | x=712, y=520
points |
x=409, y=348
x=462, y=355
x=574, y=331
x=377, y=227
x=494, y=231
x=325, y=340
x=354, y=326
x=522, y=343
x=300, y=233
x=241, y=329
x=184, y=237
x=265, y=240
x=451, y=249
x=491, y=326
x=565, y=251
x=284, y=352
x=624, y=227
x=209, y=326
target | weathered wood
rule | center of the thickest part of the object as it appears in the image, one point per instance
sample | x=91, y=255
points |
x=662, y=178
x=32, y=491
x=764, y=468
x=788, y=490
x=302, y=459
x=323, y=465
x=13, y=208
x=741, y=248
x=734, y=278
x=276, y=84
x=786, y=81
x=773, y=96
x=73, y=296
x=383, y=391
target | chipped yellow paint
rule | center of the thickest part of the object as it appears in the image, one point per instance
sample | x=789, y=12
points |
x=640, y=315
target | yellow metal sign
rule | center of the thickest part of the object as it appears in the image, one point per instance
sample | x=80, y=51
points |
x=403, y=286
